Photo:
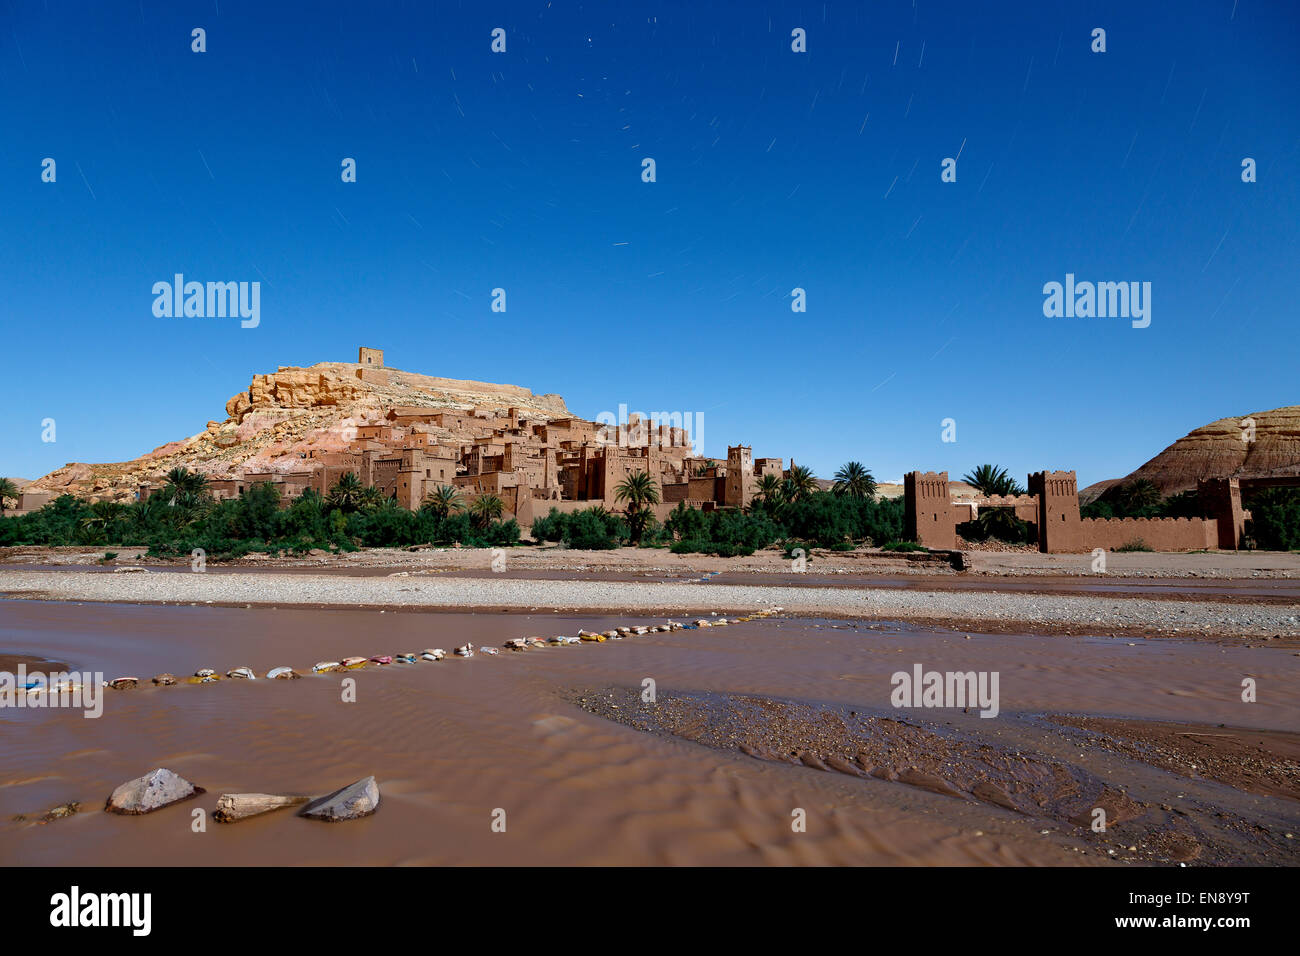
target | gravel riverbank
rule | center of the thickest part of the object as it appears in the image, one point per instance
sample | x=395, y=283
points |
x=982, y=610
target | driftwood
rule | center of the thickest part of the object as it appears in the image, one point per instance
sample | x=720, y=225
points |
x=232, y=807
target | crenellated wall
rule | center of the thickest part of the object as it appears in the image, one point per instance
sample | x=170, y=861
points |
x=1053, y=503
x=1158, y=534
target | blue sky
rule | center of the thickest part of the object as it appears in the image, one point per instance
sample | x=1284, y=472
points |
x=775, y=170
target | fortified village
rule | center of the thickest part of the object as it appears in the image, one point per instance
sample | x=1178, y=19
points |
x=530, y=458
x=309, y=427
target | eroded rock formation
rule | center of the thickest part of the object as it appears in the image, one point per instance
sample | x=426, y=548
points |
x=286, y=415
x=1227, y=448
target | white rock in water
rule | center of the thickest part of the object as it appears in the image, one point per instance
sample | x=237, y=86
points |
x=155, y=790
x=282, y=673
x=353, y=802
x=232, y=807
x=244, y=673
x=489, y=650
x=204, y=672
x=466, y=650
x=324, y=666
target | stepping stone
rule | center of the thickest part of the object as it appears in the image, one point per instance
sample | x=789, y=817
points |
x=155, y=790
x=123, y=683
x=282, y=673
x=243, y=673
x=353, y=802
x=232, y=807
x=165, y=680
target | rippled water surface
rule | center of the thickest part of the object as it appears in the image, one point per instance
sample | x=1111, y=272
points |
x=452, y=742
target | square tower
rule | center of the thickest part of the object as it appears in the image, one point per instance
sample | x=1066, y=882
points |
x=739, y=490
x=929, y=518
x=1060, y=529
x=370, y=358
x=1221, y=498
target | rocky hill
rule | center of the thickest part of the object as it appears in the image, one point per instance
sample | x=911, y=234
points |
x=286, y=414
x=1227, y=448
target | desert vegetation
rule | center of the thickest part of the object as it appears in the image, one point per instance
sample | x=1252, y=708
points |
x=183, y=515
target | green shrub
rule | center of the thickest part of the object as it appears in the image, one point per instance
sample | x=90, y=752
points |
x=1137, y=544
x=902, y=546
x=1274, y=518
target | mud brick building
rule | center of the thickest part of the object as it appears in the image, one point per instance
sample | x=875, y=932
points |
x=931, y=517
x=531, y=461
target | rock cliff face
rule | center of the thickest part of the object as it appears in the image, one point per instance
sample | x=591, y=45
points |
x=1227, y=448
x=284, y=415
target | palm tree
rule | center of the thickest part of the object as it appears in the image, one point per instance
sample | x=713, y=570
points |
x=310, y=498
x=442, y=501
x=8, y=491
x=799, y=483
x=1139, y=495
x=1000, y=523
x=768, y=489
x=991, y=480
x=346, y=493
x=150, y=512
x=486, y=509
x=702, y=469
x=182, y=479
x=103, y=514
x=639, y=491
x=371, y=498
x=854, y=480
